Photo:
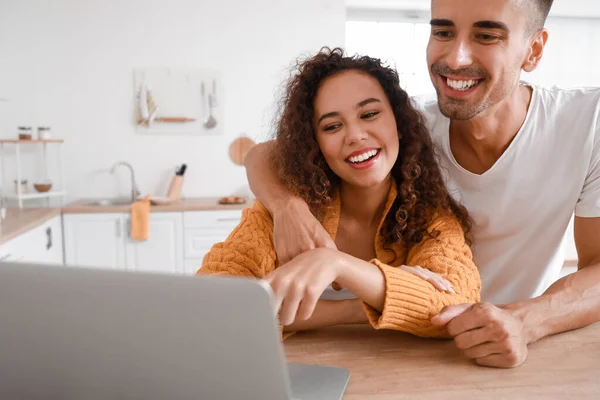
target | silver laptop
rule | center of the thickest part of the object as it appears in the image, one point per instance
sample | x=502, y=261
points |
x=76, y=333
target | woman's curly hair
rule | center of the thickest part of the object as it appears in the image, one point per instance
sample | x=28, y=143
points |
x=302, y=168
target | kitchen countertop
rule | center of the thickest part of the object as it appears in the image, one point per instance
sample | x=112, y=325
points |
x=386, y=365
x=19, y=221
x=191, y=204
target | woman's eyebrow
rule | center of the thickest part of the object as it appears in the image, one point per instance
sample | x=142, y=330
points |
x=367, y=101
x=359, y=105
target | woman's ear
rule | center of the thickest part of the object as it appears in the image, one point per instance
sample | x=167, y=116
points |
x=536, y=51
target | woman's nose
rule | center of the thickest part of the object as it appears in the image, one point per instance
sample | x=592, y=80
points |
x=355, y=134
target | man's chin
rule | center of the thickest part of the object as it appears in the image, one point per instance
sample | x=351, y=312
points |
x=458, y=111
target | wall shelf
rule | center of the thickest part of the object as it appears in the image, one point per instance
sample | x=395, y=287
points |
x=19, y=196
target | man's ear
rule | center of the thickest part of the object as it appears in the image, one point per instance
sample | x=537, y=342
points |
x=536, y=50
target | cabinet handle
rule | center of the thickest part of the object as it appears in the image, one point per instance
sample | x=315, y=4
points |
x=49, y=238
x=118, y=228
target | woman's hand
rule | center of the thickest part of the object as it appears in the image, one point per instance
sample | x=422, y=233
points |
x=296, y=231
x=298, y=285
x=436, y=280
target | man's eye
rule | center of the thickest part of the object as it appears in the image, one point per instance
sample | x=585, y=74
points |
x=487, y=38
x=442, y=34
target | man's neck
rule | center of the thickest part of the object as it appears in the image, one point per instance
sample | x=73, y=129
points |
x=479, y=142
x=365, y=205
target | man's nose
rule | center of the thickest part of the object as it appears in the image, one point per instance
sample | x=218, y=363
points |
x=461, y=55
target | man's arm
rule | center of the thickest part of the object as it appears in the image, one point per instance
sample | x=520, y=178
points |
x=296, y=230
x=574, y=301
x=498, y=336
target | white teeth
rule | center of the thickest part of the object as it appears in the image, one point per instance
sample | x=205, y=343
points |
x=461, y=85
x=364, y=156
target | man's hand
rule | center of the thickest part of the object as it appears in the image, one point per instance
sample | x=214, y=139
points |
x=490, y=335
x=296, y=231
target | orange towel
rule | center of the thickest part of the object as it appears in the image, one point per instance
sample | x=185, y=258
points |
x=140, y=215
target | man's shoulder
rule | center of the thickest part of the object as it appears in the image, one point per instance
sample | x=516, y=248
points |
x=580, y=98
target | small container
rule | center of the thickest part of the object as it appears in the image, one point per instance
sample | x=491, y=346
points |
x=43, y=187
x=24, y=187
x=25, y=133
x=44, y=133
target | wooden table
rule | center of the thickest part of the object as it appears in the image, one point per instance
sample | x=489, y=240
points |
x=393, y=365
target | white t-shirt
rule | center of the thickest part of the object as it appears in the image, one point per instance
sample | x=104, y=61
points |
x=521, y=206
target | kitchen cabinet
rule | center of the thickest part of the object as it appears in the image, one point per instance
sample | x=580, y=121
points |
x=103, y=240
x=163, y=251
x=202, y=229
x=42, y=244
x=95, y=240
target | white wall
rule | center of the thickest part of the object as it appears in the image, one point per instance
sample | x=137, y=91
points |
x=69, y=64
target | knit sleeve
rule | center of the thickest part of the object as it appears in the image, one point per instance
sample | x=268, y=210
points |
x=411, y=302
x=247, y=251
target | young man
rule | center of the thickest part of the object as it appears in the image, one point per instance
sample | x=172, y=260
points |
x=521, y=158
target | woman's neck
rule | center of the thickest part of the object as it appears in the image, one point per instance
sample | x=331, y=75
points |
x=364, y=205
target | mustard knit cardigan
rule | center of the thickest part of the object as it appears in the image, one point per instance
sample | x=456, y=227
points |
x=410, y=302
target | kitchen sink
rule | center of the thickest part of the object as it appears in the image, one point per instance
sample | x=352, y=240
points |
x=109, y=202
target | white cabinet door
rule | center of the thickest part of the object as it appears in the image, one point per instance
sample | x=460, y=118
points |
x=95, y=240
x=163, y=251
x=42, y=244
x=202, y=230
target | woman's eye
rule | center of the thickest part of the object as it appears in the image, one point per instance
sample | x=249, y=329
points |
x=331, y=127
x=369, y=114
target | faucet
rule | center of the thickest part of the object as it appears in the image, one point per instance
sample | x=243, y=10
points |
x=134, y=190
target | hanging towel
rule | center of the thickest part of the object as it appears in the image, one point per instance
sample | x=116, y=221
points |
x=140, y=215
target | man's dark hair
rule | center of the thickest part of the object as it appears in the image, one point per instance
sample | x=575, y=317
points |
x=539, y=12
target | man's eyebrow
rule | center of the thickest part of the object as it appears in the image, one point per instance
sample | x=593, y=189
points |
x=441, y=22
x=491, y=25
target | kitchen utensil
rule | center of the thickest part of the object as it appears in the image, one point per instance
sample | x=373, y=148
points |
x=211, y=121
x=214, y=93
x=203, y=94
x=181, y=170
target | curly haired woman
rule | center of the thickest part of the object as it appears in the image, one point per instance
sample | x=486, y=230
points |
x=350, y=144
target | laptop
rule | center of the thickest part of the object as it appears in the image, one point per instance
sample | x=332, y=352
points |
x=78, y=333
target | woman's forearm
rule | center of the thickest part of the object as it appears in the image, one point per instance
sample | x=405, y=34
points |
x=330, y=313
x=263, y=179
x=364, y=279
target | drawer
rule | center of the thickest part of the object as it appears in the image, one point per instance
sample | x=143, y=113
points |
x=197, y=242
x=225, y=219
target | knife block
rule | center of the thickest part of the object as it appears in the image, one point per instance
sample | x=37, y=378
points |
x=175, y=186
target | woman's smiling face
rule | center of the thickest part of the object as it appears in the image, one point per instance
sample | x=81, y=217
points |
x=356, y=128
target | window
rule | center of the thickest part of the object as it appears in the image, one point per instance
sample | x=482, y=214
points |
x=401, y=45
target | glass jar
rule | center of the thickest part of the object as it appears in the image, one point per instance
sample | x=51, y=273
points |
x=24, y=187
x=25, y=133
x=44, y=133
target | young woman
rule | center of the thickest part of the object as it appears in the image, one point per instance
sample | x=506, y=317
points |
x=351, y=145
